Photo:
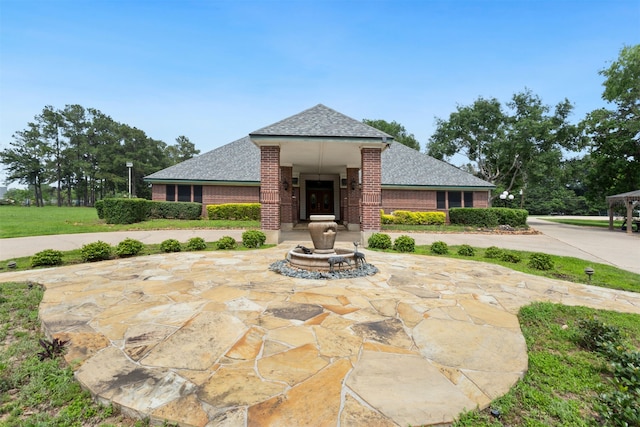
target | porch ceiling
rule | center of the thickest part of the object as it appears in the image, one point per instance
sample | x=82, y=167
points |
x=324, y=157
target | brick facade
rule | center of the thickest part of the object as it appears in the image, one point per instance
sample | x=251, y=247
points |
x=270, y=187
x=286, y=208
x=371, y=188
x=352, y=208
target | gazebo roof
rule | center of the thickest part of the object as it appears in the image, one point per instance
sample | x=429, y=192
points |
x=624, y=197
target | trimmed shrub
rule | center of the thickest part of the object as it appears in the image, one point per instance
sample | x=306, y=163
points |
x=540, y=261
x=488, y=217
x=125, y=211
x=174, y=210
x=46, y=257
x=404, y=244
x=466, y=250
x=129, y=247
x=253, y=238
x=99, y=205
x=235, y=211
x=493, y=252
x=196, y=244
x=413, y=218
x=439, y=248
x=510, y=257
x=380, y=241
x=96, y=251
x=227, y=242
x=170, y=245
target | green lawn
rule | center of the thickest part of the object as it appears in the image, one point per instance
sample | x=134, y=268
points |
x=19, y=221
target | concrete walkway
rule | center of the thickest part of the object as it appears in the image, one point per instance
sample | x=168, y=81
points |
x=216, y=338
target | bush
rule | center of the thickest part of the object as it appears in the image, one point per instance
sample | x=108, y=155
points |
x=96, y=251
x=380, y=241
x=493, y=252
x=227, y=242
x=404, y=244
x=170, y=245
x=174, y=210
x=129, y=247
x=510, y=257
x=466, y=250
x=125, y=211
x=413, y=218
x=253, y=238
x=540, y=261
x=196, y=244
x=439, y=248
x=235, y=211
x=488, y=217
x=47, y=257
x=99, y=205
x=596, y=336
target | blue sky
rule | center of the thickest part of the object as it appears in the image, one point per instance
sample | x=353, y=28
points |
x=216, y=70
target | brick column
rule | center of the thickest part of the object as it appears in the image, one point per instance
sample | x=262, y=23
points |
x=270, y=187
x=353, y=200
x=371, y=188
x=286, y=209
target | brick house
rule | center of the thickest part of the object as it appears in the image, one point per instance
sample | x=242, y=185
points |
x=320, y=162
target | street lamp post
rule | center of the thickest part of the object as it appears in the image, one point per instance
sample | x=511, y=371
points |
x=129, y=166
x=506, y=196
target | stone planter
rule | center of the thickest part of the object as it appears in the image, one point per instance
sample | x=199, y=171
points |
x=323, y=230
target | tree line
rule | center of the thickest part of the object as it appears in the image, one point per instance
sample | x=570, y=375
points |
x=528, y=148
x=84, y=154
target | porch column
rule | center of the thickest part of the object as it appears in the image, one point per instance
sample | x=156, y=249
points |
x=286, y=209
x=352, y=213
x=371, y=188
x=270, y=192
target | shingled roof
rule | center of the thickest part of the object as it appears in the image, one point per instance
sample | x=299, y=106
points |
x=321, y=121
x=239, y=161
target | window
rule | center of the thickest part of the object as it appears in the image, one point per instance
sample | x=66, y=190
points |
x=468, y=199
x=197, y=193
x=184, y=193
x=455, y=199
x=441, y=198
x=171, y=193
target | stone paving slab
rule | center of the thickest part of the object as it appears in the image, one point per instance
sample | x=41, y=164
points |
x=215, y=339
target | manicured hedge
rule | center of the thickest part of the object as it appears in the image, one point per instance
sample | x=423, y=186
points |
x=413, y=218
x=488, y=217
x=129, y=211
x=235, y=211
x=174, y=210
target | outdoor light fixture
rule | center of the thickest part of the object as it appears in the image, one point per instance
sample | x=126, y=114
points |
x=285, y=185
x=129, y=166
x=353, y=183
x=589, y=272
x=504, y=196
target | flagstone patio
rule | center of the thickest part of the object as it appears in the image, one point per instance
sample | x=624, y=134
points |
x=215, y=339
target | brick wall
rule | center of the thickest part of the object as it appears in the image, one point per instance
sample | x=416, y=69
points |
x=286, y=213
x=408, y=200
x=371, y=187
x=270, y=187
x=158, y=192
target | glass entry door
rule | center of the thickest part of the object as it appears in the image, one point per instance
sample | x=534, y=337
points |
x=320, y=198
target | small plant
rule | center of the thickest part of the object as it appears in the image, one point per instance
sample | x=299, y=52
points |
x=404, y=244
x=493, y=252
x=380, y=241
x=466, y=250
x=439, y=248
x=51, y=348
x=96, y=251
x=196, y=244
x=510, y=257
x=597, y=336
x=540, y=261
x=170, y=245
x=129, y=247
x=253, y=238
x=47, y=257
x=227, y=242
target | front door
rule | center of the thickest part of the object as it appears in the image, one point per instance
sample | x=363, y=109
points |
x=320, y=198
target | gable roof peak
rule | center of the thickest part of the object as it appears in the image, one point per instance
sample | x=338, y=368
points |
x=321, y=121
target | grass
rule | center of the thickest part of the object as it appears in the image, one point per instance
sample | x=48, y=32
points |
x=585, y=222
x=36, y=392
x=564, y=381
x=19, y=221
